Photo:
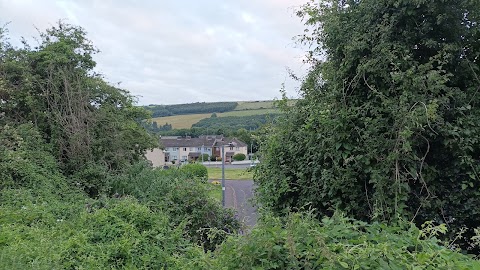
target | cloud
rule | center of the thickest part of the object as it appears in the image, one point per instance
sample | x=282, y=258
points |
x=169, y=52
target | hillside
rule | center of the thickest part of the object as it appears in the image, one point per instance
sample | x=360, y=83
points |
x=192, y=113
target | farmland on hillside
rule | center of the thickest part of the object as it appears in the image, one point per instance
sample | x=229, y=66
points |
x=261, y=104
x=187, y=120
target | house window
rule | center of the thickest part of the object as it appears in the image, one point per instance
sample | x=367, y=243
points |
x=238, y=149
x=175, y=148
x=184, y=158
x=199, y=149
x=184, y=149
x=231, y=147
x=205, y=149
x=174, y=157
x=192, y=148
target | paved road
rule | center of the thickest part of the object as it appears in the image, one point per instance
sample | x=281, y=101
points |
x=237, y=195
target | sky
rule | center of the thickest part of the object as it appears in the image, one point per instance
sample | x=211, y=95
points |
x=170, y=52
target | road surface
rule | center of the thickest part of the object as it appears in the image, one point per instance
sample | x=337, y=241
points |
x=237, y=195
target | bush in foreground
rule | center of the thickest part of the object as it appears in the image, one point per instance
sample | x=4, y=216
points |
x=302, y=242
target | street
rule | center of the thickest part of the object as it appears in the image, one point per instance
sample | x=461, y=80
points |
x=237, y=195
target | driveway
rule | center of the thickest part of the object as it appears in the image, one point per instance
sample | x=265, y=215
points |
x=237, y=195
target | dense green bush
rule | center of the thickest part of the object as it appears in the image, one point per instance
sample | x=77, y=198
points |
x=204, y=157
x=183, y=197
x=195, y=170
x=92, y=234
x=388, y=125
x=301, y=242
x=239, y=157
x=233, y=123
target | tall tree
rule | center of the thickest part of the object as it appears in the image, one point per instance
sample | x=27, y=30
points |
x=388, y=126
x=88, y=122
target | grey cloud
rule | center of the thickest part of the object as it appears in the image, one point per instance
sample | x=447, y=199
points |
x=180, y=51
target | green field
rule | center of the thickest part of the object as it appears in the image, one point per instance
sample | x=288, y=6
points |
x=181, y=121
x=254, y=105
x=187, y=120
x=248, y=112
x=230, y=174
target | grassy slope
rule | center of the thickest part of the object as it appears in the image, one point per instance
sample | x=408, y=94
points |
x=187, y=120
x=254, y=105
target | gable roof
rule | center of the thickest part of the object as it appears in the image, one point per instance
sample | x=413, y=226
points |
x=202, y=141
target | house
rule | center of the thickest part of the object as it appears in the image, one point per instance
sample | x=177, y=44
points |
x=192, y=149
x=156, y=157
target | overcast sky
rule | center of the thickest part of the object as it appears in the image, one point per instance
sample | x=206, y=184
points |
x=167, y=51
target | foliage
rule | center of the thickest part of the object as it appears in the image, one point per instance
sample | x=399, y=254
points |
x=191, y=108
x=204, y=157
x=25, y=159
x=388, y=124
x=195, y=170
x=239, y=157
x=301, y=242
x=153, y=127
x=185, y=198
x=106, y=233
x=87, y=122
x=233, y=123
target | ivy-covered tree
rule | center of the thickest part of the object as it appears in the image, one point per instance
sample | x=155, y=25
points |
x=389, y=122
x=92, y=126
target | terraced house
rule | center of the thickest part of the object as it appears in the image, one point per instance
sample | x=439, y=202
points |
x=181, y=149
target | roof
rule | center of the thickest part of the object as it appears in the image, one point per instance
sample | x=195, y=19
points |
x=230, y=141
x=202, y=141
x=194, y=154
x=177, y=141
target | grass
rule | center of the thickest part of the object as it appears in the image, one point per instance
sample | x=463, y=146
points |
x=230, y=174
x=181, y=121
x=248, y=112
x=254, y=105
x=216, y=191
x=187, y=120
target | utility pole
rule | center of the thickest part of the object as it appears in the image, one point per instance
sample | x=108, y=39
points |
x=223, y=175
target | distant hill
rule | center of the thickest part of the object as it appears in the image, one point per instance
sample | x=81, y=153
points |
x=184, y=116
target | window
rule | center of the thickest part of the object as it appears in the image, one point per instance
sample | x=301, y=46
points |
x=175, y=148
x=184, y=158
x=185, y=149
x=238, y=149
x=205, y=149
x=199, y=149
x=192, y=148
x=231, y=147
x=174, y=157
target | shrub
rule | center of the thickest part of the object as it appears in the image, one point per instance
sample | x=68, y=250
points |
x=213, y=158
x=239, y=157
x=204, y=157
x=185, y=198
x=106, y=233
x=302, y=242
x=196, y=170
